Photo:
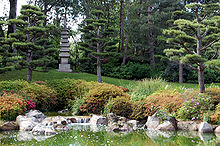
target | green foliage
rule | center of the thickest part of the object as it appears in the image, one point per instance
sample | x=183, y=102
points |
x=74, y=105
x=16, y=85
x=142, y=109
x=217, y=113
x=194, y=106
x=121, y=106
x=214, y=93
x=43, y=96
x=11, y=105
x=98, y=96
x=69, y=89
x=129, y=71
x=147, y=87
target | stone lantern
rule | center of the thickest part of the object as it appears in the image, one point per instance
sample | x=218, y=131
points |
x=64, y=66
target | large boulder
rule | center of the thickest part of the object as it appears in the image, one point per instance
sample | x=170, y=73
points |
x=7, y=126
x=35, y=115
x=134, y=124
x=25, y=124
x=166, y=126
x=58, y=122
x=117, y=123
x=205, y=127
x=153, y=122
x=188, y=125
x=98, y=120
x=217, y=130
x=41, y=129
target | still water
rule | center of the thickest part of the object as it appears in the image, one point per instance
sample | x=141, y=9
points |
x=86, y=135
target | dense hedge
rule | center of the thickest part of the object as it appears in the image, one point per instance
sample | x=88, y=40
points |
x=11, y=105
x=98, y=96
x=149, y=96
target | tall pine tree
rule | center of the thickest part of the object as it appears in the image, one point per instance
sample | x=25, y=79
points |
x=199, y=37
x=29, y=38
x=97, y=39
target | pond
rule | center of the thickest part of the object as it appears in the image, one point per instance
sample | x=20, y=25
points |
x=86, y=135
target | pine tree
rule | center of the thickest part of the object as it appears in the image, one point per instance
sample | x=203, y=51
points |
x=200, y=38
x=7, y=55
x=29, y=38
x=97, y=39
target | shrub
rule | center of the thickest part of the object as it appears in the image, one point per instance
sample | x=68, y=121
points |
x=74, y=105
x=217, y=113
x=169, y=100
x=121, y=106
x=11, y=105
x=13, y=85
x=147, y=87
x=43, y=96
x=214, y=93
x=194, y=106
x=98, y=96
x=142, y=109
x=69, y=89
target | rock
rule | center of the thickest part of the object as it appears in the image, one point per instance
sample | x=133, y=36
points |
x=73, y=120
x=98, y=120
x=7, y=126
x=187, y=125
x=112, y=118
x=217, y=130
x=153, y=121
x=134, y=124
x=63, y=111
x=58, y=122
x=41, y=129
x=116, y=123
x=205, y=127
x=166, y=126
x=25, y=124
x=173, y=121
x=36, y=116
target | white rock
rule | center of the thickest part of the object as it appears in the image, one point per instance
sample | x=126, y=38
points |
x=166, y=126
x=205, y=127
x=98, y=120
x=153, y=122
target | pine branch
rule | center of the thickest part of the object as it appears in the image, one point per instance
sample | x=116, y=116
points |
x=207, y=29
x=204, y=48
x=215, y=55
x=194, y=68
x=190, y=52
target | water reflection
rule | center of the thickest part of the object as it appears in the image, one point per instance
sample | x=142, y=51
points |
x=84, y=134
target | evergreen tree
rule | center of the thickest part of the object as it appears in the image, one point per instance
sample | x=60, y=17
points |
x=97, y=39
x=7, y=55
x=29, y=38
x=200, y=37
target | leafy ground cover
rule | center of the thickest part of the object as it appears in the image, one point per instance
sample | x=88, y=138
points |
x=79, y=92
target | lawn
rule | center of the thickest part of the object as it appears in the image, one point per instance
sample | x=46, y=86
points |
x=54, y=74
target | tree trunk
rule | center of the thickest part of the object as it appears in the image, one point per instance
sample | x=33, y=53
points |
x=126, y=44
x=1, y=32
x=180, y=72
x=201, y=79
x=12, y=15
x=150, y=35
x=29, y=74
x=99, y=75
x=29, y=69
x=121, y=45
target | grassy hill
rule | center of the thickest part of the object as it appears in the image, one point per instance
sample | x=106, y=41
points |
x=54, y=74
